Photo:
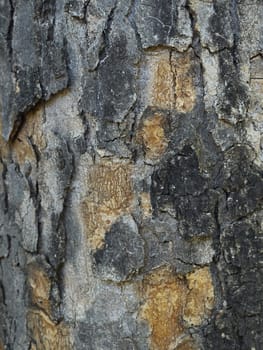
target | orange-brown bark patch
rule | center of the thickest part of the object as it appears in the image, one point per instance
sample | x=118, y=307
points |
x=185, y=94
x=165, y=296
x=171, y=83
x=30, y=134
x=172, y=303
x=109, y=188
x=153, y=136
x=187, y=344
x=200, y=299
x=162, y=80
x=46, y=334
x=4, y=146
x=40, y=286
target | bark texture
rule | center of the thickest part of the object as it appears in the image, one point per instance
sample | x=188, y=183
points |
x=131, y=162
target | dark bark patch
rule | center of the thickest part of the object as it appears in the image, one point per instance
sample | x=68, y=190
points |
x=123, y=253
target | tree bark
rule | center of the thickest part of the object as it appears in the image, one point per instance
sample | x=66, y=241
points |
x=131, y=174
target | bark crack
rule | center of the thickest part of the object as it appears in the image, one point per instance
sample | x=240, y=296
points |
x=10, y=32
x=106, y=35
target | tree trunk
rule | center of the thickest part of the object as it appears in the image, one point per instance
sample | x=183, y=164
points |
x=131, y=174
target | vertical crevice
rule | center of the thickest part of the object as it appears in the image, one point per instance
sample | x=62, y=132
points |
x=106, y=35
x=216, y=239
x=236, y=32
x=131, y=17
x=10, y=32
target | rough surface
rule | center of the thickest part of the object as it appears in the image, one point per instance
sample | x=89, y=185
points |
x=33, y=50
x=172, y=302
x=131, y=163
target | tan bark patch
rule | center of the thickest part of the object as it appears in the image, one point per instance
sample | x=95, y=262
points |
x=173, y=302
x=109, y=190
x=40, y=286
x=162, y=80
x=171, y=84
x=200, y=300
x=46, y=334
x=185, y=94
x=187, y=344
x=153, y=136
x=145, y=201
x=30, y=133
x=165, y=296
x=4, y=146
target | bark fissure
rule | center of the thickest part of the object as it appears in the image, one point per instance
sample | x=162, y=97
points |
x=131, y=186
